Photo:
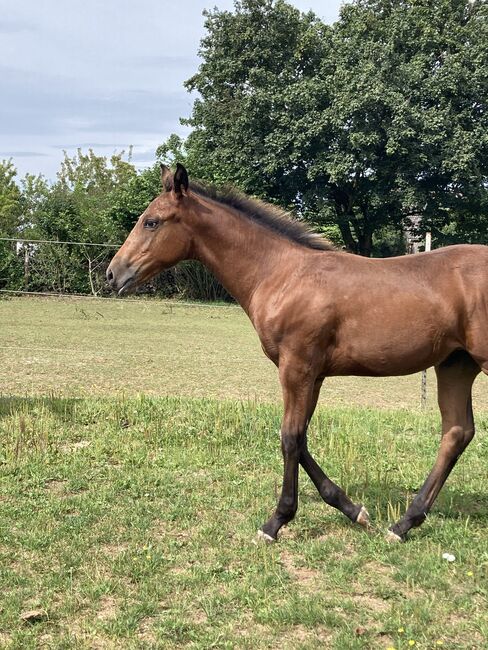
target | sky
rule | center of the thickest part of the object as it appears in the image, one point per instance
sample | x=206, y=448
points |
x=103, y=74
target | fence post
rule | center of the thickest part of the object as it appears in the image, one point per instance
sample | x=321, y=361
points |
x=26, y=267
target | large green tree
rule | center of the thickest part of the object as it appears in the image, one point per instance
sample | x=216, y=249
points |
x=359, y=125
x=93, y=184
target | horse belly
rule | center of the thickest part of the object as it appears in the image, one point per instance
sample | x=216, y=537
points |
x=381, y=352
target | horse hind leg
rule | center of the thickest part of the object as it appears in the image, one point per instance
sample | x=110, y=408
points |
x=455, y=378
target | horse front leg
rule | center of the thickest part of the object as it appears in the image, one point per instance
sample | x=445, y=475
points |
x=297, y=387
x=331, y=493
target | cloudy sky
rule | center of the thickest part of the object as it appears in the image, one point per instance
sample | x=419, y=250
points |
x=104, y=74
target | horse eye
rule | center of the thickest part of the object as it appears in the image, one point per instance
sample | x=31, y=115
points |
x=150, y=223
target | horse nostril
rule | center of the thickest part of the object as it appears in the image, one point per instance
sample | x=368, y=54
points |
x=110, y=276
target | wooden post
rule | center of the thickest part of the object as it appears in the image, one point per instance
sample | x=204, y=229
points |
x=423, y=387
x=26, y=267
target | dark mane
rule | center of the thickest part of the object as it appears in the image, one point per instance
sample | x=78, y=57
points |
x=267, y=215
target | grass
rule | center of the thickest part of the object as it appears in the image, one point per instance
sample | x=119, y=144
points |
x=130, y=524
x=128, y=521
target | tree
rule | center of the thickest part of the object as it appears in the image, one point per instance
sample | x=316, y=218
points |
x=78, y=208
x=423, y=69
x=92, y=182
x=130, y=199
x=258, y=64
x=10, y=223
x=10, y=199
x=358, y=125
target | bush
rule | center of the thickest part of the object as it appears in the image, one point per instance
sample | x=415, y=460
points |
x=194, y=282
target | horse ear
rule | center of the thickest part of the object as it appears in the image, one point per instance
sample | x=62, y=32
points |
x=180, y=181
x=166, y=178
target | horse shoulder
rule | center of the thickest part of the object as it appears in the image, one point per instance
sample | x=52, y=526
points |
x=297, y=318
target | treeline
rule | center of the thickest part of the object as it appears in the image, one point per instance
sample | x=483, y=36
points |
x=365, y=128
x=89, y=210
x=93, y=200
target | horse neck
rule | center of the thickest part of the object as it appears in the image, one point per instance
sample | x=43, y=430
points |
x=238, y=251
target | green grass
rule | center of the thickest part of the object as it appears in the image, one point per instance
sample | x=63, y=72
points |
x=128, y=521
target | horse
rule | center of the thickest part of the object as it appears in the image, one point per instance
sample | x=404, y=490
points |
x=322, y=312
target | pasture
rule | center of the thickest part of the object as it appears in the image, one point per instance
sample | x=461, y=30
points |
x=139, y=454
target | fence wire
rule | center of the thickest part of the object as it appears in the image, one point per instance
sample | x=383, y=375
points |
x=64, y=267
x=57, y=241
x=47, y=266
x=144, y=298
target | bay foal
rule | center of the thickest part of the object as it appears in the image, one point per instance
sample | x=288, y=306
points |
x=320, y=312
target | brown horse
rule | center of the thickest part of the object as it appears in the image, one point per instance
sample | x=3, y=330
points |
x=320, y=312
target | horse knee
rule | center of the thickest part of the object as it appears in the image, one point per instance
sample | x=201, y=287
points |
x=287, y=508
x=292, y=443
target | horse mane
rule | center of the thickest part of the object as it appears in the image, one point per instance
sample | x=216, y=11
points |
x=269, y=216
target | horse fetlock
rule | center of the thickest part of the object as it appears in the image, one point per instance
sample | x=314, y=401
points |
x=264, y=538
x=417, y=518
x=363, y=518
x=393, y=538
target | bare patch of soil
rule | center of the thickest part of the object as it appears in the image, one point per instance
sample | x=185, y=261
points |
x=108, y=608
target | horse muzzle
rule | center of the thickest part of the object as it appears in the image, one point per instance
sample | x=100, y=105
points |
x=121, y=278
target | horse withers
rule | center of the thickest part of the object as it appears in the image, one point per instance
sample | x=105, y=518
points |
x=321, y=312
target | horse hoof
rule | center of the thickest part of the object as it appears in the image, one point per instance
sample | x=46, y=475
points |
x=393, y=538
x=363, y=518
x=264, y=538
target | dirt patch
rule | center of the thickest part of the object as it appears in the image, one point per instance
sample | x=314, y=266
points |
x=287, y=533
x=179, y=569
x=365, y=586
x=145, y=631
x=114, y=550
x=303, y=575
x=248, y=628
x=298, y=635
x=459, y=629
x=371, y=602
x=81, y=444
x=56, y=486
x=107, y=609
x=198, y=617
x=32, y=616
x=385, y=640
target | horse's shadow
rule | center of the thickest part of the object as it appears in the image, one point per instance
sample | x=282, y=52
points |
x=453, y=503
x=61, y=407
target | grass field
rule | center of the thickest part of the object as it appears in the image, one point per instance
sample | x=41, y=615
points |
x=128, y=521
